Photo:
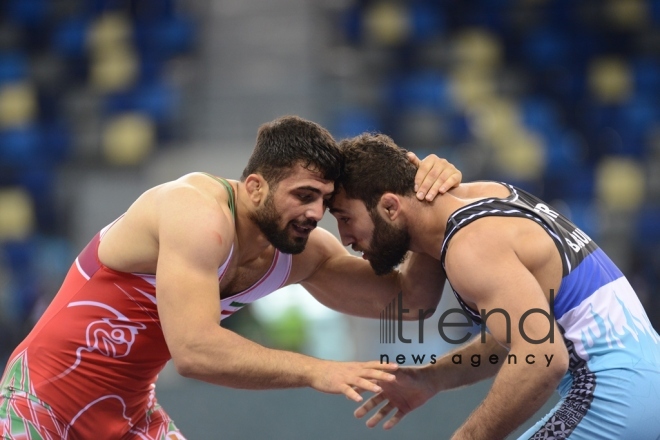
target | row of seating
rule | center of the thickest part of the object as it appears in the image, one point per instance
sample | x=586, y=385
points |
x=558, y=97
x=80, y=82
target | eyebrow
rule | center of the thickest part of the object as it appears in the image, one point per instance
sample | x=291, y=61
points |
x=326, y=197
x=336, y=211
x=307, y=188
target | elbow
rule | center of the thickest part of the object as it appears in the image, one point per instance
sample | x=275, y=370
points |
x=196, y=358
x=185, y=364
x=188, y=359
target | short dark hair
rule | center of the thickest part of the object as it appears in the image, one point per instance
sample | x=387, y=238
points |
x=290, y=140
x=374, y=165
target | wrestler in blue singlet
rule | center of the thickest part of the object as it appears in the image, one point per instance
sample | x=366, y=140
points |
x=612, y=388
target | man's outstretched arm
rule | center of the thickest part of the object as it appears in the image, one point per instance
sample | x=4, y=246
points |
x=190, y=252
x=348, y=284
x=414, y=386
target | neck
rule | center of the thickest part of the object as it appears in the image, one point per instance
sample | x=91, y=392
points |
x=251, y=241
x=428, y=223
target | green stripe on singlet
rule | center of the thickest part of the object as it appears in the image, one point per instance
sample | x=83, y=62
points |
x=230, y=190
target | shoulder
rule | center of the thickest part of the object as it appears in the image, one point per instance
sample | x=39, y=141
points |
x=202, y=184
x=481, y=234
x=195, y=191
x=193, y=208
x=479, y=250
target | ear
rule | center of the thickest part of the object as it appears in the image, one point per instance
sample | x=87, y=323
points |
x=390, y=206
x=256, y=188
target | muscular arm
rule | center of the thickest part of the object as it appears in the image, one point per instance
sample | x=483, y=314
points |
x=349, y=285
x=190, y=252
x=503, y=282
x=448, y=373
x=341, y=281
x=422, y=281
x=414, y=386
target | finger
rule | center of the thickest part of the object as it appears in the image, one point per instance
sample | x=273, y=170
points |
x=368, y=374
x=351, y=394
x=396, y=418
x=412, y=157
x=434, y=180
x=432, y=177
x=362, y=390
x=451, y=181
x=448, y=178
x=380, y=415
x=367, y=385
x=377, y=365
x=449, y=173
x=423, y=169
x=367, y=406
x=433, y=191
x=425, y=185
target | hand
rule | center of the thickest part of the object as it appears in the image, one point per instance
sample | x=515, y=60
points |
x=435, y=175
x=350, y=377
x=409, y=391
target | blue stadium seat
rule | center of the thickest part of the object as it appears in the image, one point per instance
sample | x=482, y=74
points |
x=55, y=142
x=28, y=13
x=540, y=114
x=419, y=90
x=648, y=227
x=646, y=74
x=637, y=119
x=427, y=21
x=13, y=67
x=164, y=37
x=70, y=37
x=19, y=147
x=29, y=263
x=547, y=48
x=159, y=100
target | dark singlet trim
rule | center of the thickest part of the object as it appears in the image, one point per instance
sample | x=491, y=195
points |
x=577, y=402
x=230, y=190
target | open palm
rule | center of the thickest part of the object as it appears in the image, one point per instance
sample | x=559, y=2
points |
x=409, y=391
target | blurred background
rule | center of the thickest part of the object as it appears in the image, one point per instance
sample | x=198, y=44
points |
x=101, y=99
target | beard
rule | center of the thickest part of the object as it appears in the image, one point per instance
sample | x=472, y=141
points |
x=268, y=219
x=389, y=245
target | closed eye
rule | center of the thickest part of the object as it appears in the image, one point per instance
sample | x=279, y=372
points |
x=306, y=197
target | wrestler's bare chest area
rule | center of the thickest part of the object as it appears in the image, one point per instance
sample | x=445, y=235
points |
x=241, y=276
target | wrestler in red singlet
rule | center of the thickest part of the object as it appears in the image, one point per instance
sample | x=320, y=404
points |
x=88, y=368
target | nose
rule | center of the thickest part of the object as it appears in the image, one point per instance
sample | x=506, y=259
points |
x=345, y=237
x=316, y=210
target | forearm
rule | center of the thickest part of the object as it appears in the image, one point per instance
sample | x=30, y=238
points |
x=225, y=358
x=349, y=285
x=422, y=280
x=517, y=393
x=455, y=369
